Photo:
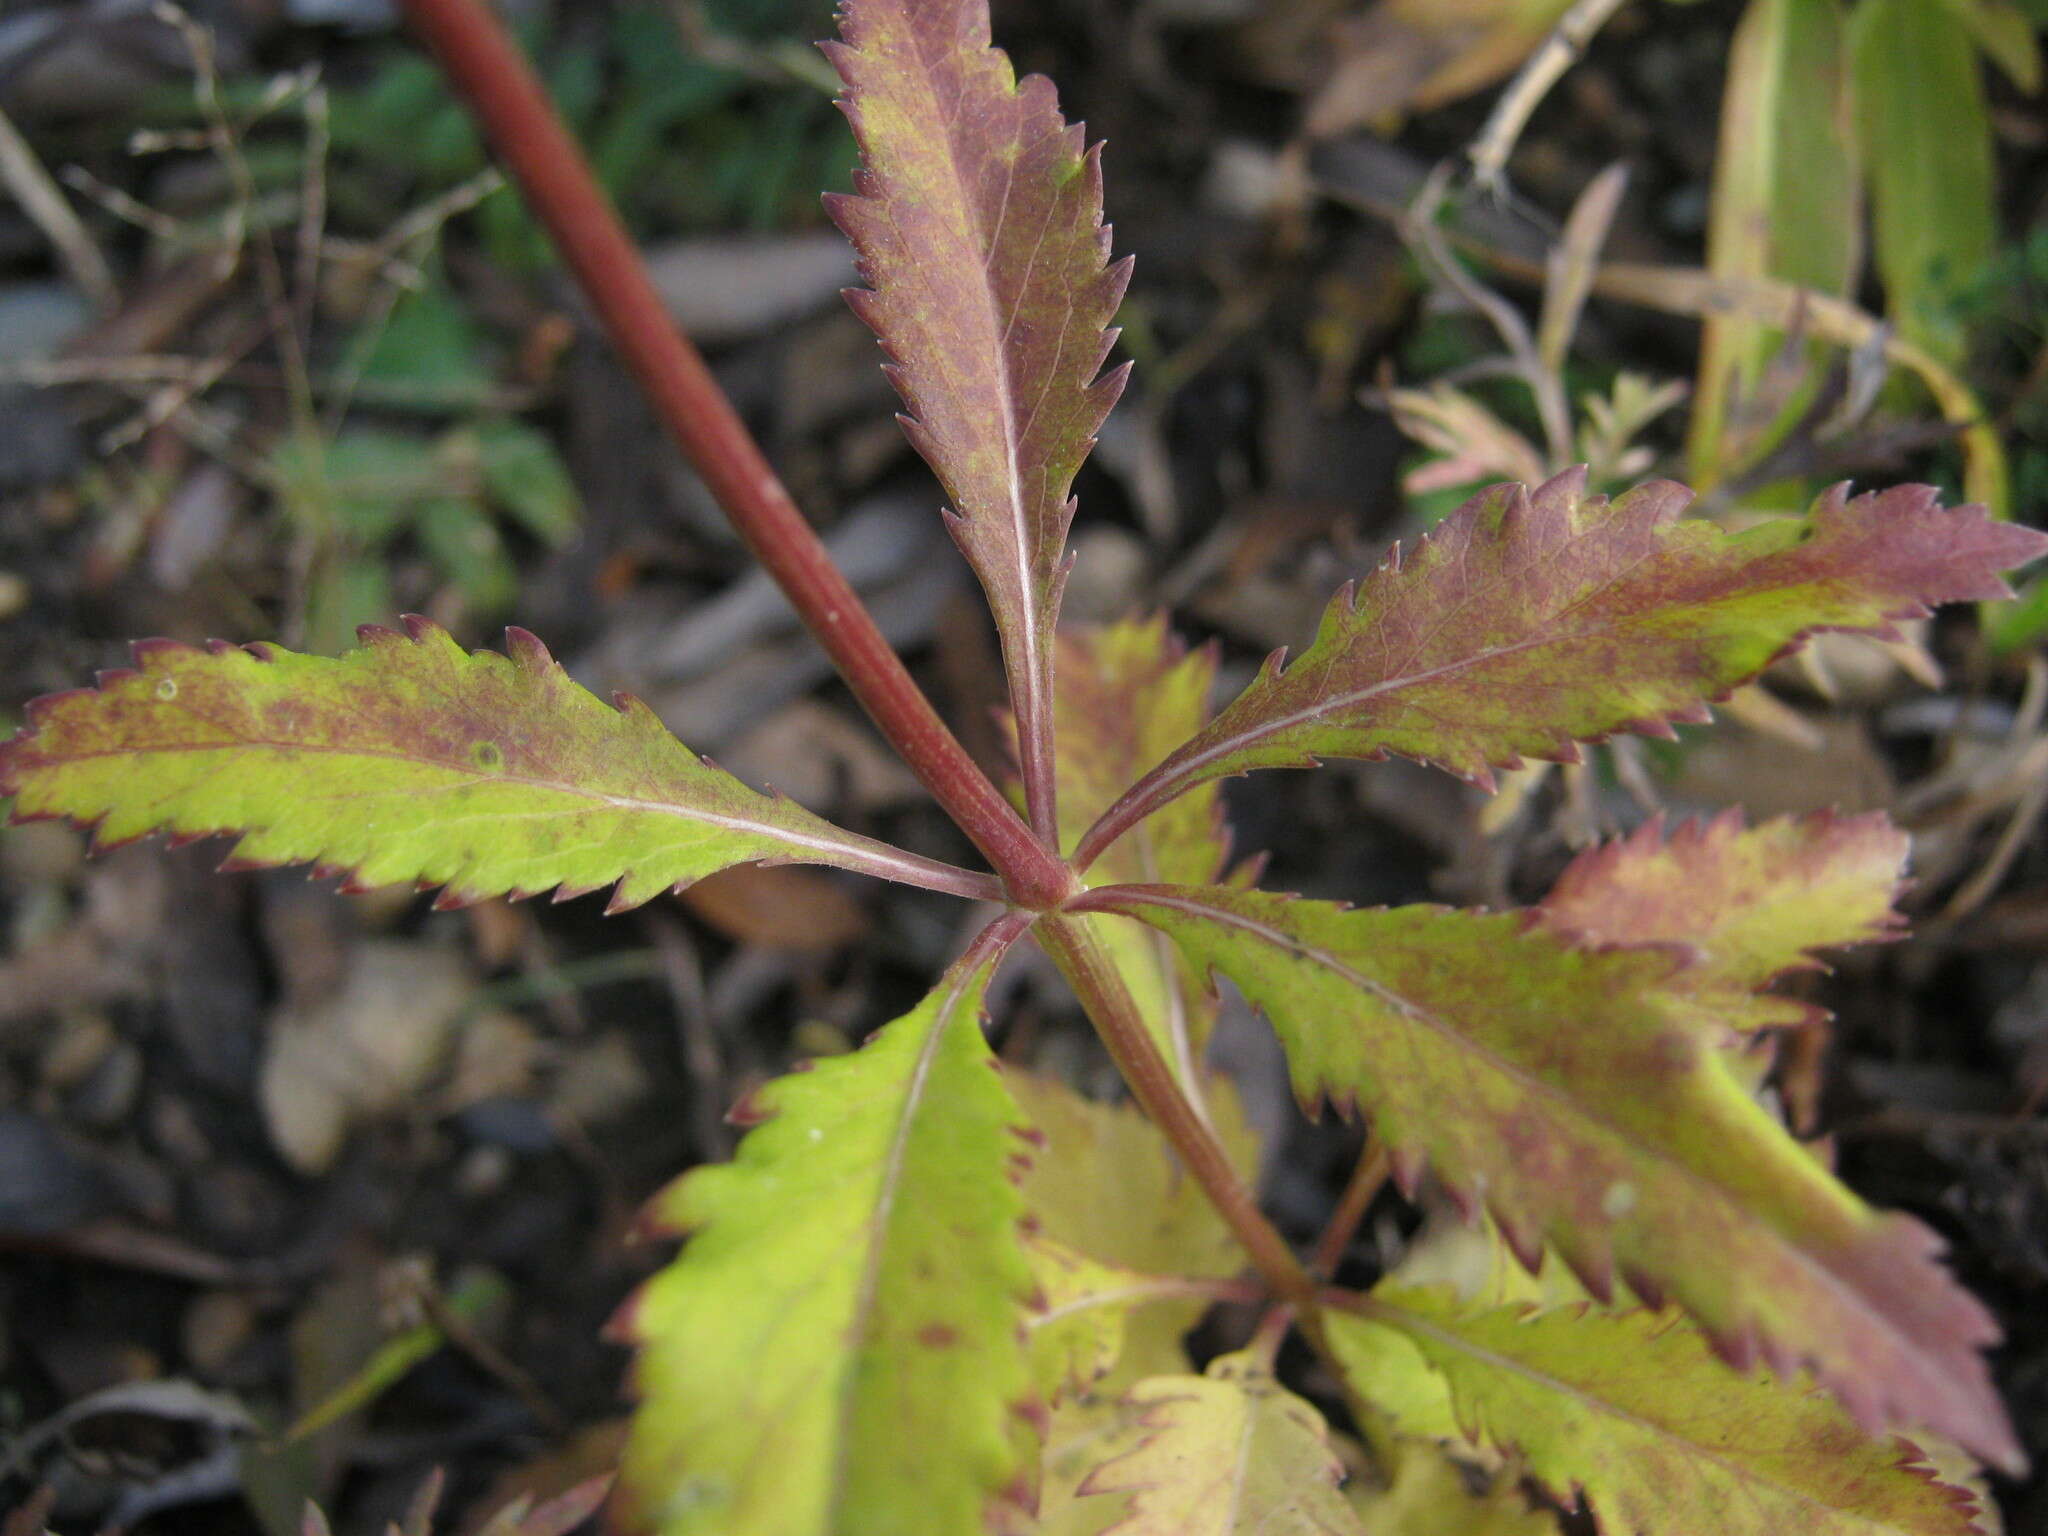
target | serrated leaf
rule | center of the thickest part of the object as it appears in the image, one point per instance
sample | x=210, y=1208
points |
x=1082, y=1432
x=1753, y=903
x=406, y=760
x=1562, y=1090
x=1663, y=1438
x=1130, y=693
x=978, y=226
x=1926, y=133
x=1105, y=1183
x=1785, y=202
x=1526, y=622
x=1076, y=1327
x=1228, y=1453
x=838, y=1351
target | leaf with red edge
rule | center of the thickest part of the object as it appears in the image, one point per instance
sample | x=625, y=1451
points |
x=1563, y=1089
x=1753, y=902
x=977, y=221
x=1528, y=621
x=408, y=760
x=1633, y=1409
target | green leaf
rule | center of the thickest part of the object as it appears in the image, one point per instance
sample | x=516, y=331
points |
x=2006, y=34
x=408, y=760
x=523, y=474
x=1228, y=1453
x=1526, y=622
x=364, y=485
x=1635, y=1409
x=1785, y=199
x=1751, y=903
x=1927, y=139
x=978, y=224
x=837, y=1351
x=465, y=543
x=1562, y=1090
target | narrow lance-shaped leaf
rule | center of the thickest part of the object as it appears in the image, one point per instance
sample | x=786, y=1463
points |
x=1227, y=1453
x=1752, y=903
x=1927, y=135
x=1526, y=622
x=1559, y=1088
x=978, y=224
x=1634, y=1410
x=411, y=760
x=838, y=1351
x=1785, y=206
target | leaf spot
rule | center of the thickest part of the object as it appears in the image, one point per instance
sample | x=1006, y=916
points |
x=1619, y=1200
x=167, y=688
x=937, y=1336
x=487, y=756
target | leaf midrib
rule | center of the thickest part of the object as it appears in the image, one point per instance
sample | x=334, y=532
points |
x=1400, y=1318
x=852, y=845
x=1428, y=1019
x=1031, y=631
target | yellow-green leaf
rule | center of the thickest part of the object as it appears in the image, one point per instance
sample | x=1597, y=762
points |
x=410, y=760
x=839, y=1351
x=1076, y=1327
x=1228, y=1453
x=1635, y=1409
x=1105, y=1183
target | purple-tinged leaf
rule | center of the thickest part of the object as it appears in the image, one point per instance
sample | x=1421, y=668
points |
x=1563, y=1090
x=978, y=224
x=410, y=760
x=1753, y=903
x=1528, y=621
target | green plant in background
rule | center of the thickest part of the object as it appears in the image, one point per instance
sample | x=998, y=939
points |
x=354, y=498
x=1830, y=108
x=728, y=127
x=932, y=1294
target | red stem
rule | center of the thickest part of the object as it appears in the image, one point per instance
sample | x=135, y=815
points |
x=488, y=68
x=1368, y=1178
x=1094, y=978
